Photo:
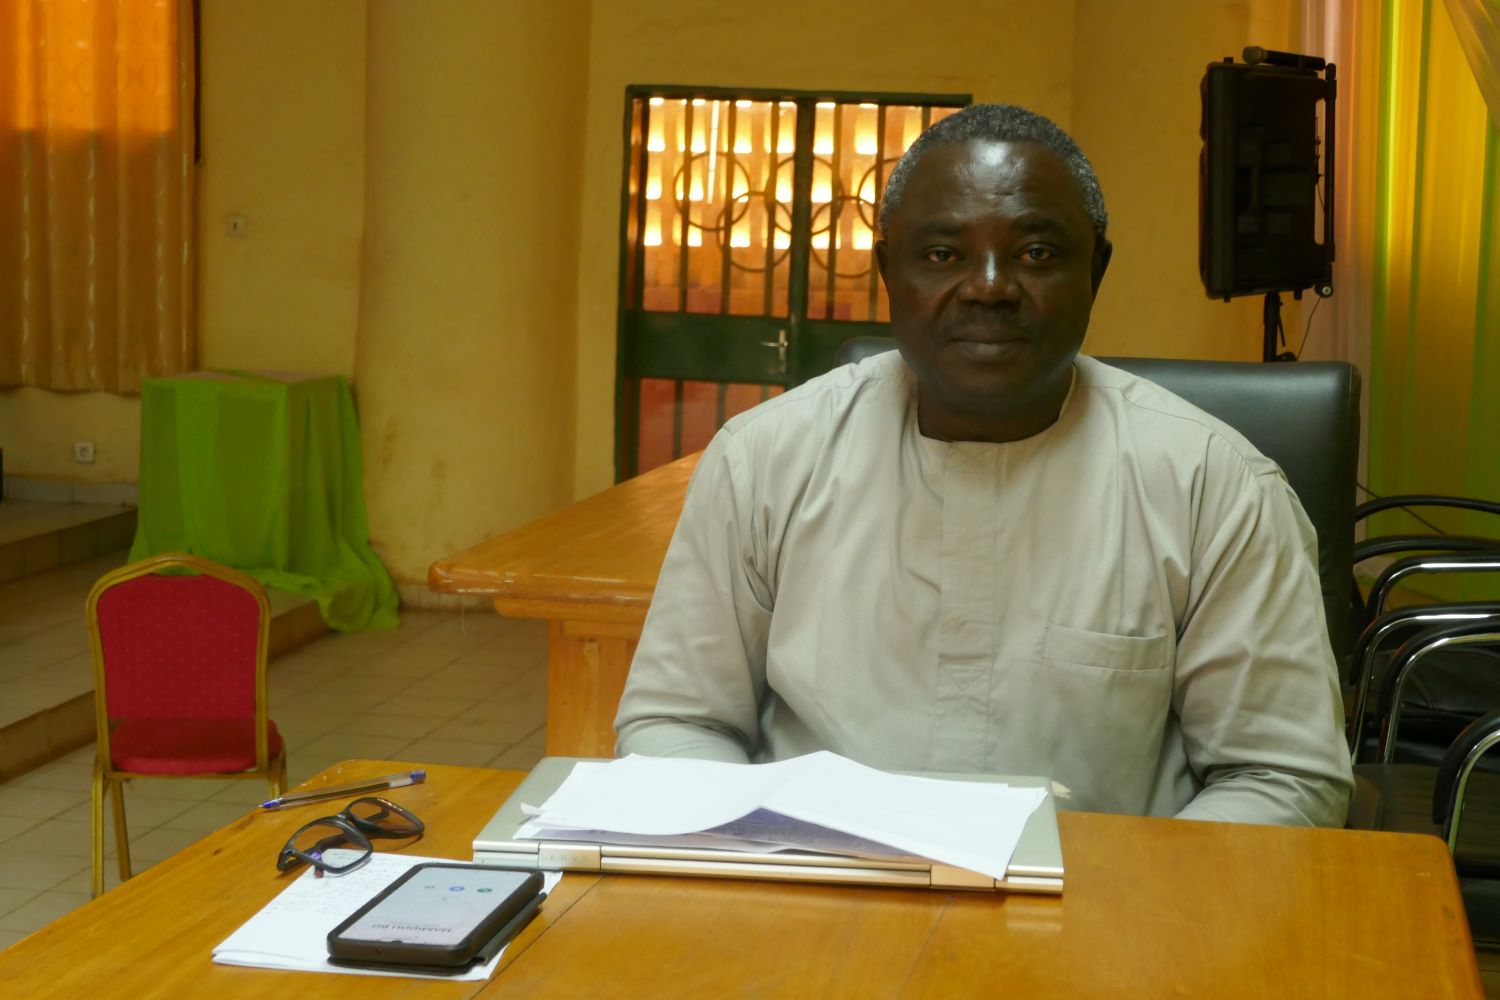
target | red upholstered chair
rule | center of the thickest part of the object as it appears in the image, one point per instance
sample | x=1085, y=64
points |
x=179, y=683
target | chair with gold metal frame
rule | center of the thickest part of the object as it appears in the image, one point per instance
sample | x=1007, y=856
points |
x=179, y=648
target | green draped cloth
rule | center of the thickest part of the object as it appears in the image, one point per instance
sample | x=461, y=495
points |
x=262, y=472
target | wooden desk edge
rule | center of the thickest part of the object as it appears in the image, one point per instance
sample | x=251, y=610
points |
x=26, y=962
x=449, y=576
x=26, y=959
x=649, y=495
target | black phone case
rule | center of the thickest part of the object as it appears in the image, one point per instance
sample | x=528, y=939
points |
x=508, y=917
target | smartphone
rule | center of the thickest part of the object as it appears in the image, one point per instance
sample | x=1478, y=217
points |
x=438, y=918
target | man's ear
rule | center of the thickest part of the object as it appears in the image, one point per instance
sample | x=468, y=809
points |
x=880, y=253
x=1100, y=264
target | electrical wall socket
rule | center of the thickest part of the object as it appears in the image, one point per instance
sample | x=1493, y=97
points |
x=83, y=451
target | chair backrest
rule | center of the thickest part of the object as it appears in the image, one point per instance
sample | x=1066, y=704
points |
x=1303, y=416
x=179, y=646
x=856, y=349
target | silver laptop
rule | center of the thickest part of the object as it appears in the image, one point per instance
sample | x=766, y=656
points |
x=1036, y=866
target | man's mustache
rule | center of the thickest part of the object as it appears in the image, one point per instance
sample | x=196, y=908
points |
x=994, y=322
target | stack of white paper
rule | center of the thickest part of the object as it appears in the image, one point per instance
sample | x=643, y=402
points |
x=820, y=802
x=291, y=931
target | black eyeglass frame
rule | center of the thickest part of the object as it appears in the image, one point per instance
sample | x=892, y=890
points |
x=352, y=830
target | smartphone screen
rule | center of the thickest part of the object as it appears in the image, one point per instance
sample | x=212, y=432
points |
x=438, y=906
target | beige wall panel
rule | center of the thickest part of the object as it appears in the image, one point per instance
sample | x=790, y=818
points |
x=1136, y=113
x=283, y=145
x=38, y=428
x=464, y=369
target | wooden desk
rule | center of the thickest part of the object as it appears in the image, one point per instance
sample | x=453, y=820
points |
x=1153, y=907
x=589, y=570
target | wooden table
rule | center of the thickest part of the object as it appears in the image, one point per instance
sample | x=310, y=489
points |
x=589, y=570
x=1153, y=907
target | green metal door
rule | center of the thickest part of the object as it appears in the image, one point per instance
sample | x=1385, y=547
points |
x=746, y=251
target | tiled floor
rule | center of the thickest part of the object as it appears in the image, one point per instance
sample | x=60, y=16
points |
x=443, y=688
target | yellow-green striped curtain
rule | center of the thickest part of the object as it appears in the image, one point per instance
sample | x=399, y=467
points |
x=1434, y=376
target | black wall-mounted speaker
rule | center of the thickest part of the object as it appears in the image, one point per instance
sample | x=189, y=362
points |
x=1262, y=225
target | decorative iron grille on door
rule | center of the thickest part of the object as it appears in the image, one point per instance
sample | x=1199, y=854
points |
x=747, y=251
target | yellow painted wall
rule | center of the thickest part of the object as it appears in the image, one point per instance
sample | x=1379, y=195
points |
x=283, y=104
x=1121, y=75
x=38, y=428
x=1136, y=111
x=464, y=368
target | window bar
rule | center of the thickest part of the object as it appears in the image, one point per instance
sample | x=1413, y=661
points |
x=773, y=162
x=833, y=211
x=628, y=404
x=682, y=247
x=801, y=243
x=628, y=387
x=726, y=234
x=878, y=195
x=642, y=170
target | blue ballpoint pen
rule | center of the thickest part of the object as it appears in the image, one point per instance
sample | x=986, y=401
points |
x=335, y=791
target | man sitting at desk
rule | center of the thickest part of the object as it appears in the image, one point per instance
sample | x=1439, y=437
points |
x=986, y=553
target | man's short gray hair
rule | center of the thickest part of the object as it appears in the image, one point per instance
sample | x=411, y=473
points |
x=998, y=123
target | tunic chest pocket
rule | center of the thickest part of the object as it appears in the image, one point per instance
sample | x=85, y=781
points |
x=1107, y=651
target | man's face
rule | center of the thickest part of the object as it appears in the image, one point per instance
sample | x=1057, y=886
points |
x=991, y=265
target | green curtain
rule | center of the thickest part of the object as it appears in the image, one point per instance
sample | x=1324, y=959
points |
x=263, y=473
x=1434, y=378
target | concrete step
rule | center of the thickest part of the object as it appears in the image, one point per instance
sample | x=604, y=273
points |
x=37, y=537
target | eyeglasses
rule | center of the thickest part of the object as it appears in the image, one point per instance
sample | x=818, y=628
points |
x=353, y=829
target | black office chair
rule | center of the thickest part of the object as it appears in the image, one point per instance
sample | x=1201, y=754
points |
x=1402, y=713
x=1459, y=803
x=1420, y=738
x=1428, y=691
